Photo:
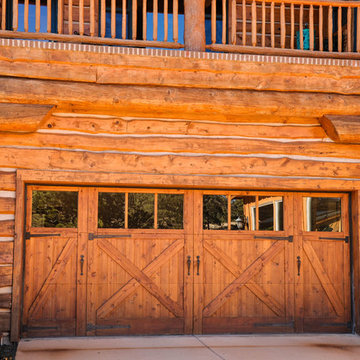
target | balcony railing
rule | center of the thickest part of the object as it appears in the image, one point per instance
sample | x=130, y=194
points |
x=288, y=27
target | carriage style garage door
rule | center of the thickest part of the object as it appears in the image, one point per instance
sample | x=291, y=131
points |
x=111, y=261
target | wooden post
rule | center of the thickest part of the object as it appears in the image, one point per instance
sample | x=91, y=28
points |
x=194, y=25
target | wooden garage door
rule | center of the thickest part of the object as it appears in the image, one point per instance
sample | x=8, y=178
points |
x=110, y=261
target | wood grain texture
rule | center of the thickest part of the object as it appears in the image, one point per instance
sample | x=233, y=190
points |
x=5, y=301
x=7, y=181
x=22, y=117
x=355, y=220
x=344, y=129
x=4, y=322
x=5, y=276
x=7, y=228
x=7, y=206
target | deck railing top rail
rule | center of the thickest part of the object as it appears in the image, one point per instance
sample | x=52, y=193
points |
x=319, y=28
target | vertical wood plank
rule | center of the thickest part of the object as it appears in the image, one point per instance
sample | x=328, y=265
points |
x=175, y=20
x=103, y=18
x=272, y=23
x=233, y=22
x=330, y=28
x=358, y=29
x=198, y=251
x=253, y=23
x=3, y=14
x=321, y=28
x=301, y=26
x=70, y=15
x=355, y=207
x=166, y=20
x=224, y=23
x=292, y=26
x=244, y=22
x=213, y=21
x=113, y=18
x=26, y=15
x=349, y=32
x=15, y=14
x=263, y=23
x=18, y=260
x=123, y=23
x=194, y=34
x=37, y=15
x=311, y=27
x=155, y=20
x=282, y=25
x=60, y=16
x=339, y=29
x=134, y=19
x=189, y=217
x=81, y=17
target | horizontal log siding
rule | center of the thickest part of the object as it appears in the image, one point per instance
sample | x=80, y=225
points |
x=7, y=211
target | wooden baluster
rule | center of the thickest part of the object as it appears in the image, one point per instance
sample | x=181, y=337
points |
x=81, y=17
x=175, y=20
x=92, y=17
x=134, y=19
x=263, y=23
x=166, y=23
x=321, y=28
x=253, y=23
x=358, y=29
x=70, y=16
x=243, y=22
x=123, y=23
x=233, y=22
x=3, y=14
x=224, y=21
x=311, y=27
x=155, y=22
x=272, y=23
x=48, y=15
x=194, y=34
x=349, y=37
x=37, y=15
x=144, y=15
x=301, y=26
x=340, y=29
x=103, y=18
x=15, y=15
x=330, y=28
x=60, y=16
x=113, y=18
x=26, y=15
x=292, y=25
x=213, y=21
x=282, y=25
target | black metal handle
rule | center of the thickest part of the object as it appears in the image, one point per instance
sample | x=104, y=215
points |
x=82, y=264
x=198, y=264
x=188, y=264
x=298, y=264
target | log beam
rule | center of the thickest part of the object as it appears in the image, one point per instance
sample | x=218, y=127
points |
x=23, y=117
x=342, y=128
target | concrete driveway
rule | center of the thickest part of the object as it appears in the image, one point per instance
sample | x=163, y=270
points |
x=225, y=347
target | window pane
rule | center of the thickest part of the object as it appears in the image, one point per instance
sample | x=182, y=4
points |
x=54, y=209
x=271, y=213
x=141, y=211
x=170, y=211
x=215, y=212
x=111, y=210
x=323, y=214
x=242, y=213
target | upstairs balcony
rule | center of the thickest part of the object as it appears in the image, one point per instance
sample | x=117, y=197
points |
x=306, y=28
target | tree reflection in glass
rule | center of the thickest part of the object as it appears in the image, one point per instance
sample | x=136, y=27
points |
x=141, y=211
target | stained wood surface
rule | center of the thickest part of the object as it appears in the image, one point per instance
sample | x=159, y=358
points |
x=5, y=301
x=355, y=220
x=344, y=129
x=6, y=228
x=7, y=205
x=4, y=322
x=5, y=276
x=7, y=181
x=22, y=117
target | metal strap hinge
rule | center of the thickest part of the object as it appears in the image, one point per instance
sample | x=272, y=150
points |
x=93, y=236
x=346, y=238
x=28, y=235
x=289, y=238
